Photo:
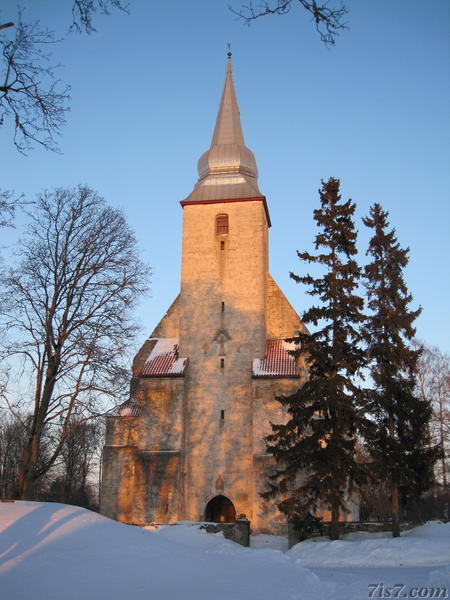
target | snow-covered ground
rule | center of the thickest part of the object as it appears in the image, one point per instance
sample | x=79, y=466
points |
x=60, y=552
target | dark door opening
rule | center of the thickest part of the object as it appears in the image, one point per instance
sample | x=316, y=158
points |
x=220, y=510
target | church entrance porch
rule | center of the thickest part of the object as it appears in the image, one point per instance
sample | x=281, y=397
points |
x=220, y=510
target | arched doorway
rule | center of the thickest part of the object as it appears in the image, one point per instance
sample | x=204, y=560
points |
x=220, y=510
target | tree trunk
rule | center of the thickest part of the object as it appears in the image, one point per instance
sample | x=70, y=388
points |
x=26, y=479
x=334, y=524
x=395, y=511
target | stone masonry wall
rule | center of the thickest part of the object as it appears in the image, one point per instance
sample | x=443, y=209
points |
x=282, y=320
x=116, y=500
x=156, y=489
x=221, y=344
x=161, y=412
x=267, y=410
x=202, y=435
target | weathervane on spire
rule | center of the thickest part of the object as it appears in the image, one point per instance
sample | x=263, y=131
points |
x=229, y=53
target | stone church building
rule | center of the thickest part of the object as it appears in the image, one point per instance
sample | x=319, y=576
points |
x=189, y=444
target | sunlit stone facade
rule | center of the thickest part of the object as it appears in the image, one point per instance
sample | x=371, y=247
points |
x=190, y=442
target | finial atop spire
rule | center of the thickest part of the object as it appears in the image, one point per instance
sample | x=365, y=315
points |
x=229, y=54
x=228, y=169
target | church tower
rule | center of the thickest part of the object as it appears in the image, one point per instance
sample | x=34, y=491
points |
x=189, y=444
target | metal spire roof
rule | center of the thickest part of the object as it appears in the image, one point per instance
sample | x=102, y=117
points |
x=228, y=128
x=228, y=169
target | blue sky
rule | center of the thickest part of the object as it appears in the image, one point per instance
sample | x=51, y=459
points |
x=372, y=111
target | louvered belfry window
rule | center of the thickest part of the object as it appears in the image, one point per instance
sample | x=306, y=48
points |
x=221, y=224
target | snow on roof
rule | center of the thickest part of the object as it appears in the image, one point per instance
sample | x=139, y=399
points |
x=163, y=360
x=130, y=408
x=277, y=361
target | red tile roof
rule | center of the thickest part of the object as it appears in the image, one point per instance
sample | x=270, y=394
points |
x=130, y=408
x=277, y=361
x=163, y=360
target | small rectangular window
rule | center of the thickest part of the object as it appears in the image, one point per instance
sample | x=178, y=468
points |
x=223, y=306
x=222, y=363
x=222, y=245
x=222, y=415
x=221, y=224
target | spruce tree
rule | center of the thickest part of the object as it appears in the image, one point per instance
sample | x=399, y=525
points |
x=397, y=438
x=315, y=449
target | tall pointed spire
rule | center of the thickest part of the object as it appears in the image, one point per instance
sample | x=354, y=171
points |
x=228, y=128
x=228, y=169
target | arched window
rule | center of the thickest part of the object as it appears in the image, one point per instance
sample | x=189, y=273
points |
x=221, y=224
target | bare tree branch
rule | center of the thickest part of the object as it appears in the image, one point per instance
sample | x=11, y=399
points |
x=328, y=20
x=8, y=205
x=84, y=10
x=31, y=98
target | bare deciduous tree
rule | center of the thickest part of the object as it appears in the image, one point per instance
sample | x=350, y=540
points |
x=12, y=444
x=68, y=316
x=13, y=440
x=73, y=477
x=32, y=99
x=433, y=380
x=328, y=19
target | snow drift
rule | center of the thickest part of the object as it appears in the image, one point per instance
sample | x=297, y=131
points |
x=58, y=552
